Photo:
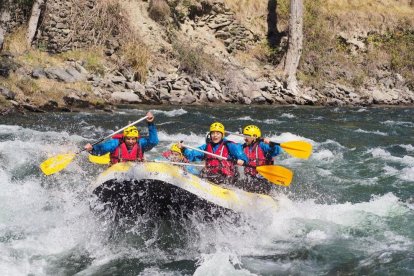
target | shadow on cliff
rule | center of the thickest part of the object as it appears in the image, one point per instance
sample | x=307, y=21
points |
x=274, y=37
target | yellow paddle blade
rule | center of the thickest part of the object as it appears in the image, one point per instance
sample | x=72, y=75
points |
x=56, y=163
x=299, y=149
x=100, y=159
x=276, y=174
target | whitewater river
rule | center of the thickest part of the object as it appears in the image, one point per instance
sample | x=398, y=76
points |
x=349, y=210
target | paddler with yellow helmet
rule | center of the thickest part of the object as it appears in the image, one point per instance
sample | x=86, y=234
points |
x=129, y=146
x=216, y=169
x=176, y=156
x=259, y=151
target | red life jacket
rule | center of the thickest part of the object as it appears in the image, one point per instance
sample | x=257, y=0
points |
x=121, y=153
x=167, y=155
x=256, y=157
x=216, y=166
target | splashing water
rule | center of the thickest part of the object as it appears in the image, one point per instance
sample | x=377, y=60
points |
x=349, y=210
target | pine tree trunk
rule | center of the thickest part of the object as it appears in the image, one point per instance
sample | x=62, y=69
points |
x=33, y=21
x=295, y=45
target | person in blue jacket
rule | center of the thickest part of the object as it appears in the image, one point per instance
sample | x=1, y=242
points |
x=129, y=146
x=259, y=151
x=218, y=170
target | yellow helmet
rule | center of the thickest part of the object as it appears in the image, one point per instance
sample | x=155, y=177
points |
x=217, y=127
x=252, y=131
x=131, y=131
x=175, y=148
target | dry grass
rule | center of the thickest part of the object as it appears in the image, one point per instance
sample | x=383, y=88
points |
x=34, y=58
x=136, y=56
x=324, y=57
x=15, y=43
x=29, y=57
x=159, y=11
x=109, y=21
x=93, y=59
x=4, y=103
x=193, y=60
x=373, y=13
x=251, y=13
x=41, y=91
x=106, y=19
x=394, y=51
x=370, y=14
x=394, y=7
x=327, y=58
x=265, y=54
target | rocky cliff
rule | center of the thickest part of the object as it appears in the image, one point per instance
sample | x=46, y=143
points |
x=100, y=53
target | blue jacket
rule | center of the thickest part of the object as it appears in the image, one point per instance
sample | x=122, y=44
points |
x=146, y=143
x=235, y=152
x=268, y=150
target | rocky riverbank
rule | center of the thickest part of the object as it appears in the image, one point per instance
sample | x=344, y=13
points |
x=182, y=89
x=174, y=88
x=212, y=57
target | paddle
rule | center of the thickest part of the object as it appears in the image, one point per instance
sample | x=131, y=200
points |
x=61, y=161
x=100, y=159
x=299, y=149
x=177, y=163
x=95, y=159
x=275, y=174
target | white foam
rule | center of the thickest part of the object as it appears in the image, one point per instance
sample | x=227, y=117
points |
x=398, y=123
x=332, y=142
x=318, y=118
x=171, y=113
x=407, y=174
x=44, y=213
x=316, y=236
x=266, y=121
x=191, y=138
x=325, y=155
x=7, y=129
x=383, y=154
x=305, y=222
x=220, y=263
x=388, y=170
x=379, y=152
x=246, y=118
x=324, y=172
x=287, y=115
x=377, y=132
x=408, y=147
x=273, y=121
x=48, y=221
x=287, y=136
x=316, y=223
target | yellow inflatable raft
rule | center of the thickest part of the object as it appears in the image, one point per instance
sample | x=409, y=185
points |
x=165, y=190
